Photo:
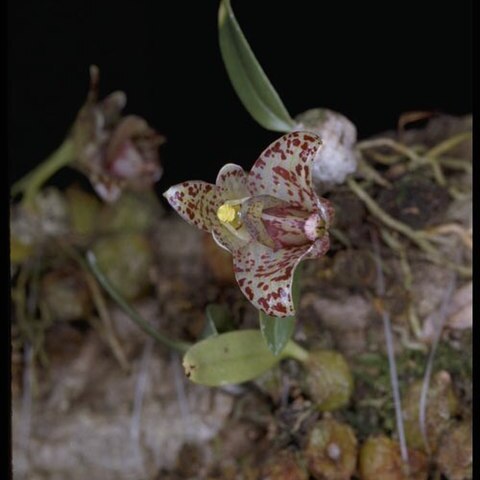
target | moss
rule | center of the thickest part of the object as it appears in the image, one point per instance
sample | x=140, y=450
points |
x=372, y=409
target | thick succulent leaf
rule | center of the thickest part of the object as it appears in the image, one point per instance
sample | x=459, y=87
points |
x=278, y=331
x=229, y=358
x=284, y=170
x=247, y=76
x=196, y=202
x=266, y=276
x=232, y=182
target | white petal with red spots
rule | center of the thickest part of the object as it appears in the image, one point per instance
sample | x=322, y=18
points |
x=265, y=276
x=232, y=182
x=196, y=202
x=283, y=170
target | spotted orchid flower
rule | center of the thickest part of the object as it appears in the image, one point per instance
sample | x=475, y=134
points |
x=269, y=219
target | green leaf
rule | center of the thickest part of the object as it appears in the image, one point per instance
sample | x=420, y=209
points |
x=209, y=329
x=247, y=76
x=229, y=358
x=278, y=331
x=217, y=320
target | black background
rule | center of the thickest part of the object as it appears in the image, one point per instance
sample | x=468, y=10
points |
x=370, y=61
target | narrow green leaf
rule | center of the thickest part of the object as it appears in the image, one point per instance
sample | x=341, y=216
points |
x=278, y=331
x=232, y=357
x=247, y=76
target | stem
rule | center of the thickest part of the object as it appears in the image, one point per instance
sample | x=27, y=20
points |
x=31, y=183
x=177, y=345
x=295, y=351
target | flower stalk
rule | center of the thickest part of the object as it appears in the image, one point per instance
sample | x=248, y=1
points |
x=33, y=181
x=295, y=351
x=177, y=345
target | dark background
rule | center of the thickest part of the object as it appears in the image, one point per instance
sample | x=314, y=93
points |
x=370, y=61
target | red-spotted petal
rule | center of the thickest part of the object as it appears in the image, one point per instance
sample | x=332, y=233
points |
x=197, y=202
x=284, y=170
x=265, y=276
x=232, y=182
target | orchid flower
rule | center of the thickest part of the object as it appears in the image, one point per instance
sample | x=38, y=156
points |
x=114, y=151
x=269, y=219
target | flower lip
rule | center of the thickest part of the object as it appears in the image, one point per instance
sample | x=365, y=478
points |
x=314, y=227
